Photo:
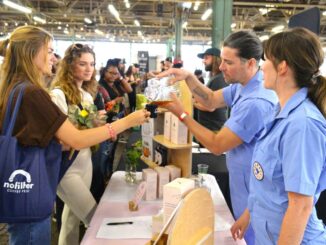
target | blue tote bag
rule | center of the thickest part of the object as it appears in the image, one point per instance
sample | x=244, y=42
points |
x=29, y=175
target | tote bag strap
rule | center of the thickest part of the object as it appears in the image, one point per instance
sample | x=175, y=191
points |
x=9, y=123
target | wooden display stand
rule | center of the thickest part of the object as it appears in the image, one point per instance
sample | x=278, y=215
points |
x=179, y=155
x=193, y=223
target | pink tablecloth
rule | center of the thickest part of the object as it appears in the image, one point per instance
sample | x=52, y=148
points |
x=114, y=204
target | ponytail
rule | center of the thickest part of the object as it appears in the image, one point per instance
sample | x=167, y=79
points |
x=317, y=94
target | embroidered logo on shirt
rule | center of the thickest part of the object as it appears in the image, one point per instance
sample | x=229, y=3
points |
x=258, y=171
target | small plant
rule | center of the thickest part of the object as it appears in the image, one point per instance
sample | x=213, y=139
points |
x=133, y=155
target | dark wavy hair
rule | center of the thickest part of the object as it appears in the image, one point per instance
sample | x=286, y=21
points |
x=303, y=53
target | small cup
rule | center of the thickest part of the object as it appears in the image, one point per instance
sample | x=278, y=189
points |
x=202, y=168
x=152, y=109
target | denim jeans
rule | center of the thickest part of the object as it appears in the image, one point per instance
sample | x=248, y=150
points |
x=33, y=233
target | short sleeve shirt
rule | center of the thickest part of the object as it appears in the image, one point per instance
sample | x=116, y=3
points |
x=38, y=118
x=250, y=104
x=290, y=156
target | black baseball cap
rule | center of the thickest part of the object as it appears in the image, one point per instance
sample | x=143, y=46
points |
x=210, y=51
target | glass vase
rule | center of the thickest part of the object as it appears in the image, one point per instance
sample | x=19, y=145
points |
x=130, y=174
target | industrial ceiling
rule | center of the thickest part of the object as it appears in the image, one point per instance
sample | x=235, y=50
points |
x=65, y=18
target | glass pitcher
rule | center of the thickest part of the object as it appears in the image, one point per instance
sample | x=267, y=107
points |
x=158, y=91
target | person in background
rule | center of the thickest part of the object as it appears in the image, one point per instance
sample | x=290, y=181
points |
x=213, y=120
x=75, y=84
x=49, y=79
x=177, y=63
x=250, y=105
x=28, y=57
x=133, y=82
x=288, y=167
x=168, y=63
x=161, y=65
x=199, y=74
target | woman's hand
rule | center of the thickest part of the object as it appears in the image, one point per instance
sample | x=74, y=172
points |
x=174, y=106
x=175, y=74
x=138, y=117
x=119, y=99
x=239, y=228
x=100, y=119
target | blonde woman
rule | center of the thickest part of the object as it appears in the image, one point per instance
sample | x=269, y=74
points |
x=28, y=57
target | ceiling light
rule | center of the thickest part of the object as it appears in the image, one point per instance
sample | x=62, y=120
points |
x=184, y=25
x=196, y=6
x=88, y=20
x=233, y=25
x=324, y=13
x=114, y=12
x=78, y=36
x=136, y=22
x=127, y=5
x=99, y=32
x=65, y=31
x=186, y=5
x=263, y=38
x=207, y=13
x=39, y=19
x=17, y=6
x=278, y=28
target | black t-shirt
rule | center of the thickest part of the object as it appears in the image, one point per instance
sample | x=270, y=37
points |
x=214, y=120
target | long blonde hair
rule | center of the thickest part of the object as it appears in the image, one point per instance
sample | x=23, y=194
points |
x=19, y=52
x=65, y=77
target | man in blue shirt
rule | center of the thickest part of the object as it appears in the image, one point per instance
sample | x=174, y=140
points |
x=250, y=103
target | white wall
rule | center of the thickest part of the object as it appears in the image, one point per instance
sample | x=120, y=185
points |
x=129, y=51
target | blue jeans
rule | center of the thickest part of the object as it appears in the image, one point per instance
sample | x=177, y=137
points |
x=33, y=233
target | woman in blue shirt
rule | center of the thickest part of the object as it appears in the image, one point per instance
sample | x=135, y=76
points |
x=289, y=160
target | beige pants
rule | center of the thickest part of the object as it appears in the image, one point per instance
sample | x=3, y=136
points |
x=74, y=190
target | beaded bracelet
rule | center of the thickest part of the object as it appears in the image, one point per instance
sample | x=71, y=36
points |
x=111, y=131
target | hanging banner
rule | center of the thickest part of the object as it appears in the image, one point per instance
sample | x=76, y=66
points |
x=143, y=59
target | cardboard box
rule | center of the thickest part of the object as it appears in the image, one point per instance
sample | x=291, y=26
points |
x=163, y=177
x=150, y=177
x=154, y=126
x=174, y=172
x=167, y=125
x=173, y=193
x=148, y=146
x=179, y=131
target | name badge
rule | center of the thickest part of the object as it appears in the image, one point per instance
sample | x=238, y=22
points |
x=258, y=171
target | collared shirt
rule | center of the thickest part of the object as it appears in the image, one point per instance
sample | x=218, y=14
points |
x=250, y=104
x=290, y=156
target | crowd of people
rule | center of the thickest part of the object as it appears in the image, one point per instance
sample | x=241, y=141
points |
x=274, y=135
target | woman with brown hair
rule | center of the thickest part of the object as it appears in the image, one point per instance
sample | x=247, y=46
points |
x=28, y=56
x=75, y=86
